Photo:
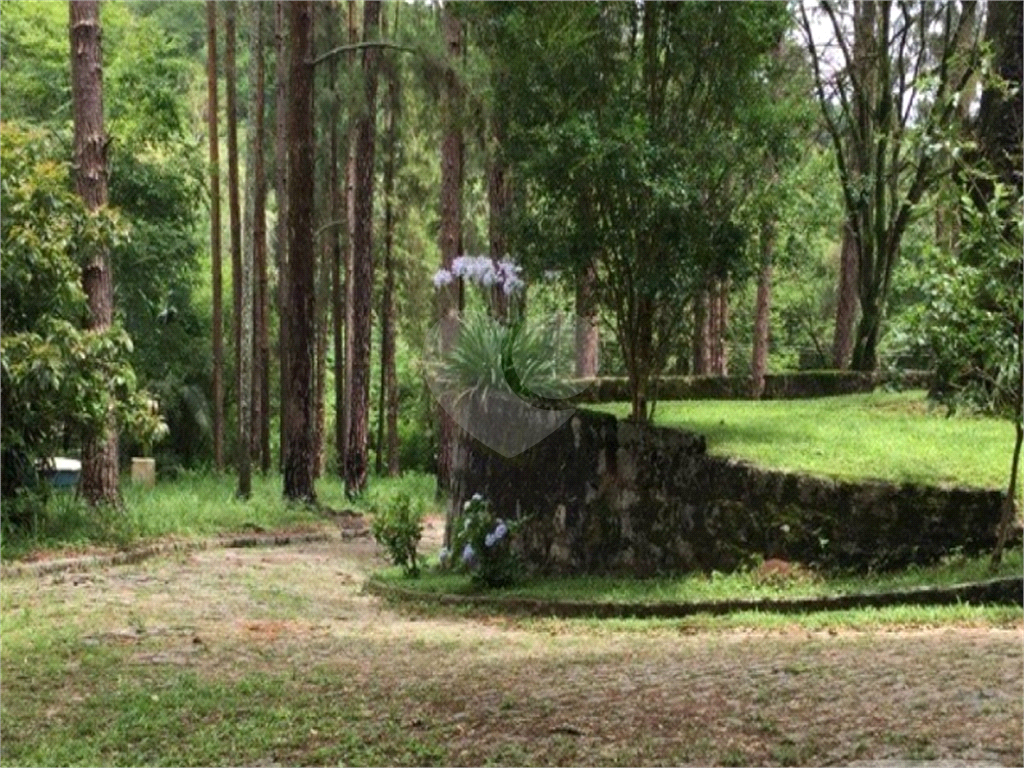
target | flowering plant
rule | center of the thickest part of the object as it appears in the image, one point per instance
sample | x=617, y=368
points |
x=484, y=271
x=482, y=545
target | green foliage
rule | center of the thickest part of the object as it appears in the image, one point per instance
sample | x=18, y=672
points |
x=636, y=137
x=155, y=181
x=483, y=546
x=527, y=359
x=970, y=324
x=57, y=378
x=398, y=528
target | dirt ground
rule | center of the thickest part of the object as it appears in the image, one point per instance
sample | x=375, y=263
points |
x=561, y=692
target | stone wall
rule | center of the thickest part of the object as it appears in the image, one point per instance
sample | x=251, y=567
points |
x=605, y=496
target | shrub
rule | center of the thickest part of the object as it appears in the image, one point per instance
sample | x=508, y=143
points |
x=398, y=529
x=482, y=545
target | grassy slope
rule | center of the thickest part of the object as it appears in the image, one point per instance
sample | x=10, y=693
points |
x=884, y=436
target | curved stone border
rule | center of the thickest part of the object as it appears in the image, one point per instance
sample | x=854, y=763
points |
x=1001, y=591
x=137, y=555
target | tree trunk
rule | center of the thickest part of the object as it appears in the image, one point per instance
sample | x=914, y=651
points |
x=450, y=231
x=846, y=306
x=356, y=463
x=234, y=214
x=249, y=405
x=1010, y=502
x=215, y=257
x=350, y=216
x=497, y=222
x=721, y=327
x=327, y=247
x=762, y=311
x=1001, y=113
x=702, y=333
x=281, y=193
x=337, y=296
x=261, y=340
x=711, y=342
x=387, y=414
x=323, y=295
x=301, y=314
x=245, y=316
x=641, y=360
x=98, y=482
x=587, y=334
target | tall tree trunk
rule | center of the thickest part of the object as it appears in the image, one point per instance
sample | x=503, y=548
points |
x=281, y=193
x=98, y=482
x=702, y=333
x=720, y=297
x=215, y=255
x=846, y=306
x=1000, y=116
x=350, y=229
x=763, y=309
x=387, y=413
x=326, y=247
x=497, y=222
x=587, y=335
x=338, y=214
x=261, y=339
x=362, y=251
x=248, y=394
x=245, y=318
x=234, y=212
x=301, y=314
x=450, y=231
x=323, y=306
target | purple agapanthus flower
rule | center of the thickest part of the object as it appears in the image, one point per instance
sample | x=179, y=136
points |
x=442, y=277
x=483, y=271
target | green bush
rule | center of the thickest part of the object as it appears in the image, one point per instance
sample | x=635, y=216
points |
x=482, y=546
x=398, y=529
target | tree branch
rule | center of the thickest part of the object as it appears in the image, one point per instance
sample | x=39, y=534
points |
x=359, y=46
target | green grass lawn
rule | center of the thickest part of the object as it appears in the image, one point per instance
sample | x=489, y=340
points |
x=882, y=436
x=699, y=587
x=197, y=505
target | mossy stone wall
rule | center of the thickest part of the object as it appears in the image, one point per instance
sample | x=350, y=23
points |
x=609, y=496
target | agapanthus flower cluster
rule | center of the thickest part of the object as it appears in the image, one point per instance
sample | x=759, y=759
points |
x=497, y=534
x=482, y=545
x=483, y=271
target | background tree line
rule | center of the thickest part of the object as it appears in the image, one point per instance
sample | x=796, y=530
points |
x=716, y=188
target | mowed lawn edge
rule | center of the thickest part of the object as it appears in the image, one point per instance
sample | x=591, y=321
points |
x=884, y=436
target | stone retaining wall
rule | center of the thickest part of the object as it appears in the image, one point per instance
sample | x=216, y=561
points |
x=605, y=496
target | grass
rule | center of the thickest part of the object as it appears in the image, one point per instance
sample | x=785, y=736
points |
x=889, y=618
x=182, y=718
x=196, y=505
x=883, y=436
x=716, y=586
x=161, y=664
